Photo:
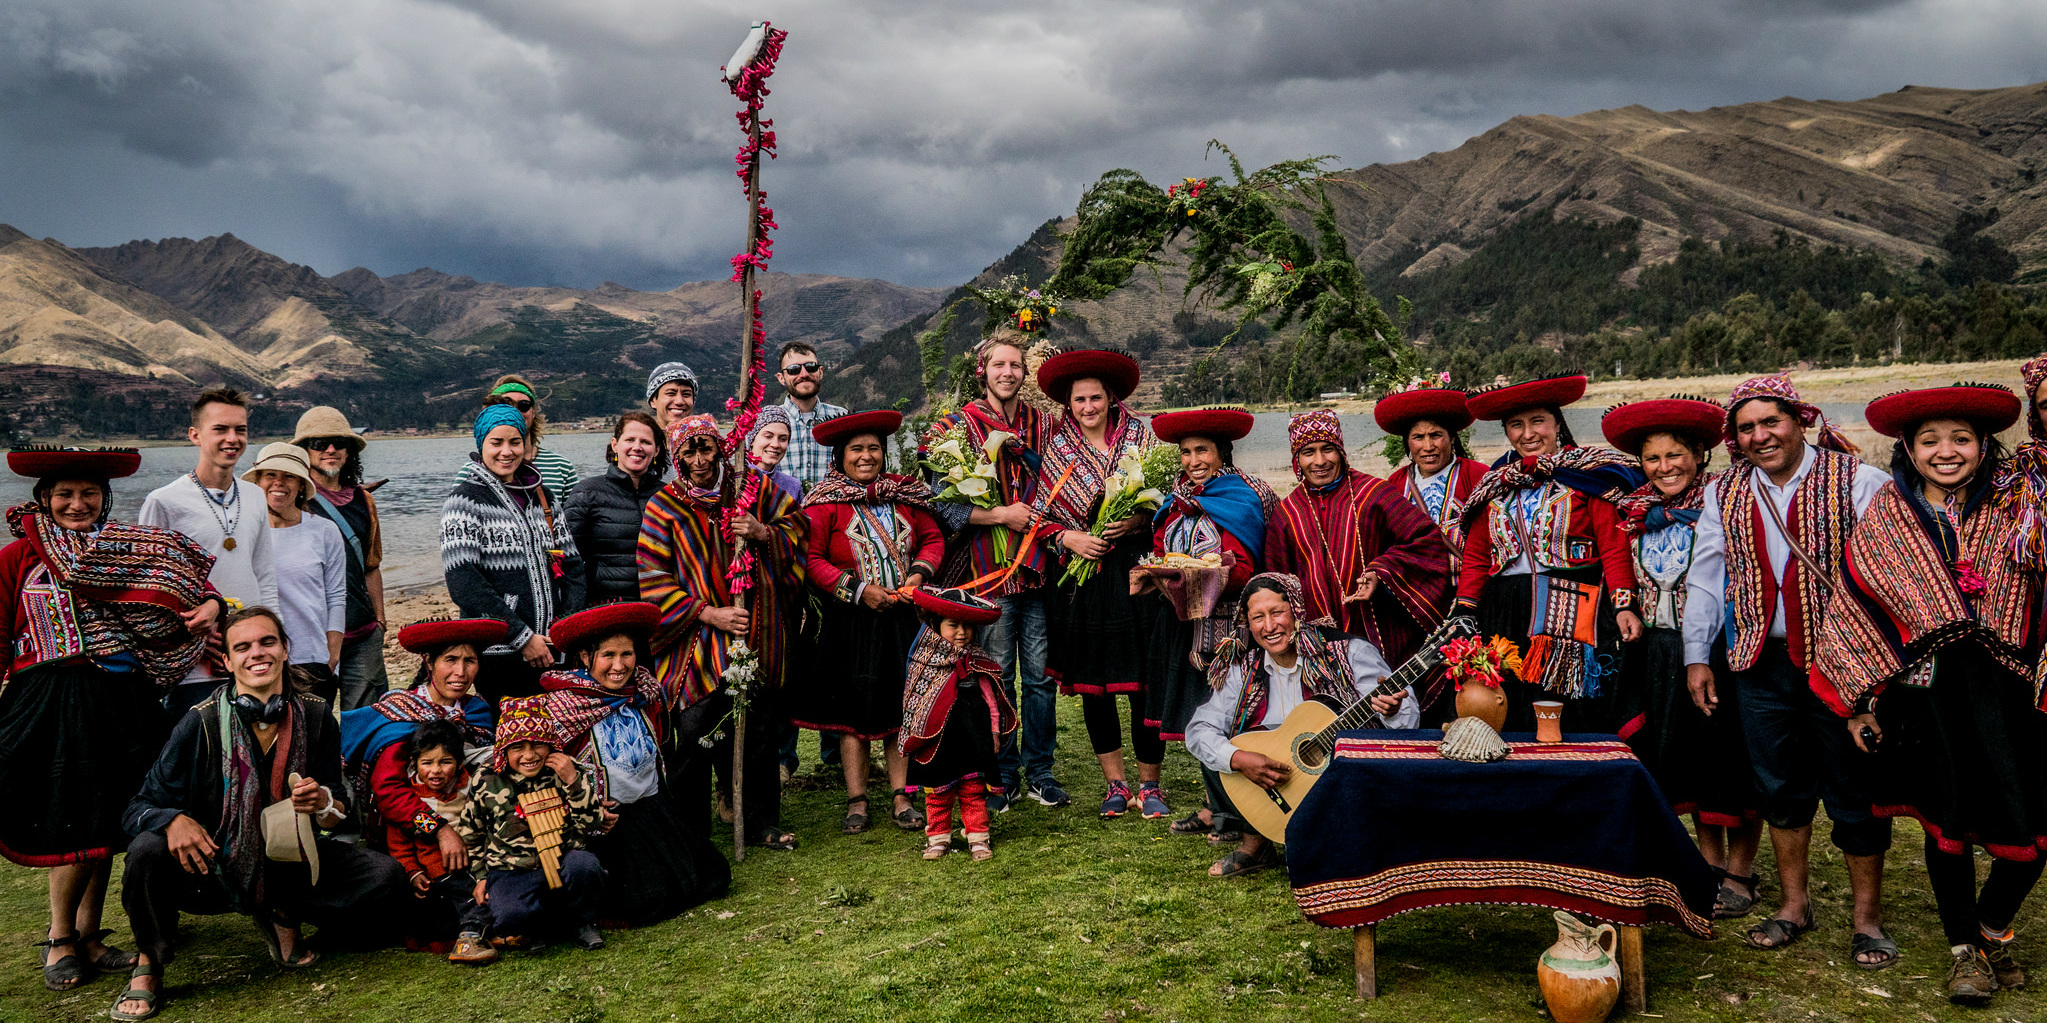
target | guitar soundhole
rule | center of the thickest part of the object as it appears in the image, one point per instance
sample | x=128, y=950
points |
x=1310, y=755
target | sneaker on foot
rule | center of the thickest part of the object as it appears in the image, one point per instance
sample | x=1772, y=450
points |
x=1117, y=802
x=471, y=950
x=1969, y=978
x=998, y=801
x=589, y=938
x=1048, y=792
x=1152, y=799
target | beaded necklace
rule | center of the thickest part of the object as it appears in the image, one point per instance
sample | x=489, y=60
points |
x=227, y=511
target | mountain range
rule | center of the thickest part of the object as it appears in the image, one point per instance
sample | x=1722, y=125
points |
x=130, y=330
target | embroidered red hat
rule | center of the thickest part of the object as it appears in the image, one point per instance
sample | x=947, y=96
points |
x=1501, y=402
x=833, y=432
x=956, y=604
x=635, y=618
x=1117, y=372
x=1214, y=423
x=40, y=462
x=1443, y=406
x=523, y=719
x=1992, y=407
x=1695, y=419
x=434, y=633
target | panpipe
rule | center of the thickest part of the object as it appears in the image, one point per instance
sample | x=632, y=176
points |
x=546, y=814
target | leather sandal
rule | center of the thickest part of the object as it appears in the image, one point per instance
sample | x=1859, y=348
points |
x=1728, y=903
x=68, y=971
x=908, y=818
x=1879, y=945
x=1192, y=824
x=855, y=823
x=151, y=998
x=113, y=960
x=1239, y=862
x=1775, y=933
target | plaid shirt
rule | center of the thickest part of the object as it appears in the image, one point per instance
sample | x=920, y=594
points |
x=807, y=460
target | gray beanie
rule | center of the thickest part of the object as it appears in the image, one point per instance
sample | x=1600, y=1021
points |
x=668, y=373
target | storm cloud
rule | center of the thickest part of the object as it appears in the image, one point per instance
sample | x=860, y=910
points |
x=557, y=143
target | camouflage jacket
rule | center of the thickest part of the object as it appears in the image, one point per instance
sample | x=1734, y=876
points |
x=496, y=832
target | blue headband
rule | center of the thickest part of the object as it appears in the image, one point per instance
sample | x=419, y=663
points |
x=494, y=416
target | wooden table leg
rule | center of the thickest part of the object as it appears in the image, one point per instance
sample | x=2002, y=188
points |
x=1634, y=976
x=1365, y=959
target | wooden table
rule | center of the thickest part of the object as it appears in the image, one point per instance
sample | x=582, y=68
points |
x=1578, y=826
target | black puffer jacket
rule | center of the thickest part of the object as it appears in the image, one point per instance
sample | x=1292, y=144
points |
x=604, y=516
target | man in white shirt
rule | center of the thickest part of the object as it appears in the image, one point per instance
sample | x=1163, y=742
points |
x=1264, y=685
x=1770, y=609
x=225, y=516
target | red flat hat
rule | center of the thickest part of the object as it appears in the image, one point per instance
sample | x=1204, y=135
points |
x=633, y=617
x=1443, y=406
x=1117, y=372
x=435, y=633
x=1992, y=407
x=958, y=605
x=1213, y=423
x=1501, y=402
x=833, y=432
x=38, y=462
x=1627, y=425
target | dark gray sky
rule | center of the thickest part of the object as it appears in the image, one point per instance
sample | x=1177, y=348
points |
x=559, y=142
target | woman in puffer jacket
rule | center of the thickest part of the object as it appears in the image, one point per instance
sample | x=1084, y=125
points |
x=604, y=511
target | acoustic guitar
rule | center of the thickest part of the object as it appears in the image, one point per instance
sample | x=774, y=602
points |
x=1306, y=740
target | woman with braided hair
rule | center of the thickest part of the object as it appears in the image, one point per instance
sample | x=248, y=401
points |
x=80, y=720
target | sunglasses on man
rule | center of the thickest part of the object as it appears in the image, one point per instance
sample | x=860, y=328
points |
x=799, y=368
x=327, y=444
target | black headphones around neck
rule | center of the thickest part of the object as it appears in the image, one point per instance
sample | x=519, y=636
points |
x=252, y=710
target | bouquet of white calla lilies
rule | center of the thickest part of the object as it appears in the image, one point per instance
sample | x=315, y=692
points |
x=1124, y=494
x=970, y=476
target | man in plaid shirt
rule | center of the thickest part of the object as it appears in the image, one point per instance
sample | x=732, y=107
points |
x=801, y=373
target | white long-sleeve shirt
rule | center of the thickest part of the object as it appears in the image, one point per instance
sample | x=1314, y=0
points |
x=1208, y=735
x=312, y=585
x=1706, y=584
x=247, y=573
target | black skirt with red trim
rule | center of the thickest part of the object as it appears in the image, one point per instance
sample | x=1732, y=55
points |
x=1097, y=630
x=1701, y=763
x=849, y=678
x=75, y=741
x=1966, y=756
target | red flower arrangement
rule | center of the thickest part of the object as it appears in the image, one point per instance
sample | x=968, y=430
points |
x=1470, y=659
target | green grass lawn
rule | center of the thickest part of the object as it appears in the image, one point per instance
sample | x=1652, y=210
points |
x=1076, y=918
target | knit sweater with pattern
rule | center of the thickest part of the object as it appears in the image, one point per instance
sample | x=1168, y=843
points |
x=496, y=544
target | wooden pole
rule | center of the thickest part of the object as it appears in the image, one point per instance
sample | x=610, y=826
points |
x=746, y=287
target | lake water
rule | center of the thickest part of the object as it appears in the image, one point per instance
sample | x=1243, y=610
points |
x=420, y=471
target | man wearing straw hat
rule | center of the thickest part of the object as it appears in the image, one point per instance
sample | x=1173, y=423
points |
x=334, y=450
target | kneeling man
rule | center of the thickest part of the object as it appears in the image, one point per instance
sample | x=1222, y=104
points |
x=203, y=842
x=1255, y=687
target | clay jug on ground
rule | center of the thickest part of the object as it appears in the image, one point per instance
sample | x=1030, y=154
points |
x=1579, y=976
x=1484, y=702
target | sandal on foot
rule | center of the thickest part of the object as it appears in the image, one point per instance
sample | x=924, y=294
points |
x=908, y=818
x=1728, y=903
x=1221, y=835
x=112, y=960
x=152, y=998
x=1878, y=944
x=301, y=957
x=1775, y=933
x=68, y=971
x=979, y=845
x=1239, y=863
x=937, y=846
x=1192, y=824
x=773, y=837
x=855, y=823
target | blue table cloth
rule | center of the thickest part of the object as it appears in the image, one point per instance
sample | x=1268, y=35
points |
x=1577, y=825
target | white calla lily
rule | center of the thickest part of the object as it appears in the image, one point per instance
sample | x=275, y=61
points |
x=1151, y=496
x=949, y=450
x=992, y=447
x=973, y=486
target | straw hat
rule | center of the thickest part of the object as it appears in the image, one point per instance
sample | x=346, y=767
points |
x=282, y=456
x=326, y=421
x=288, y=835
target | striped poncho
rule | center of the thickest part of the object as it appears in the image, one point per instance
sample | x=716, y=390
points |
x=682, y=571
